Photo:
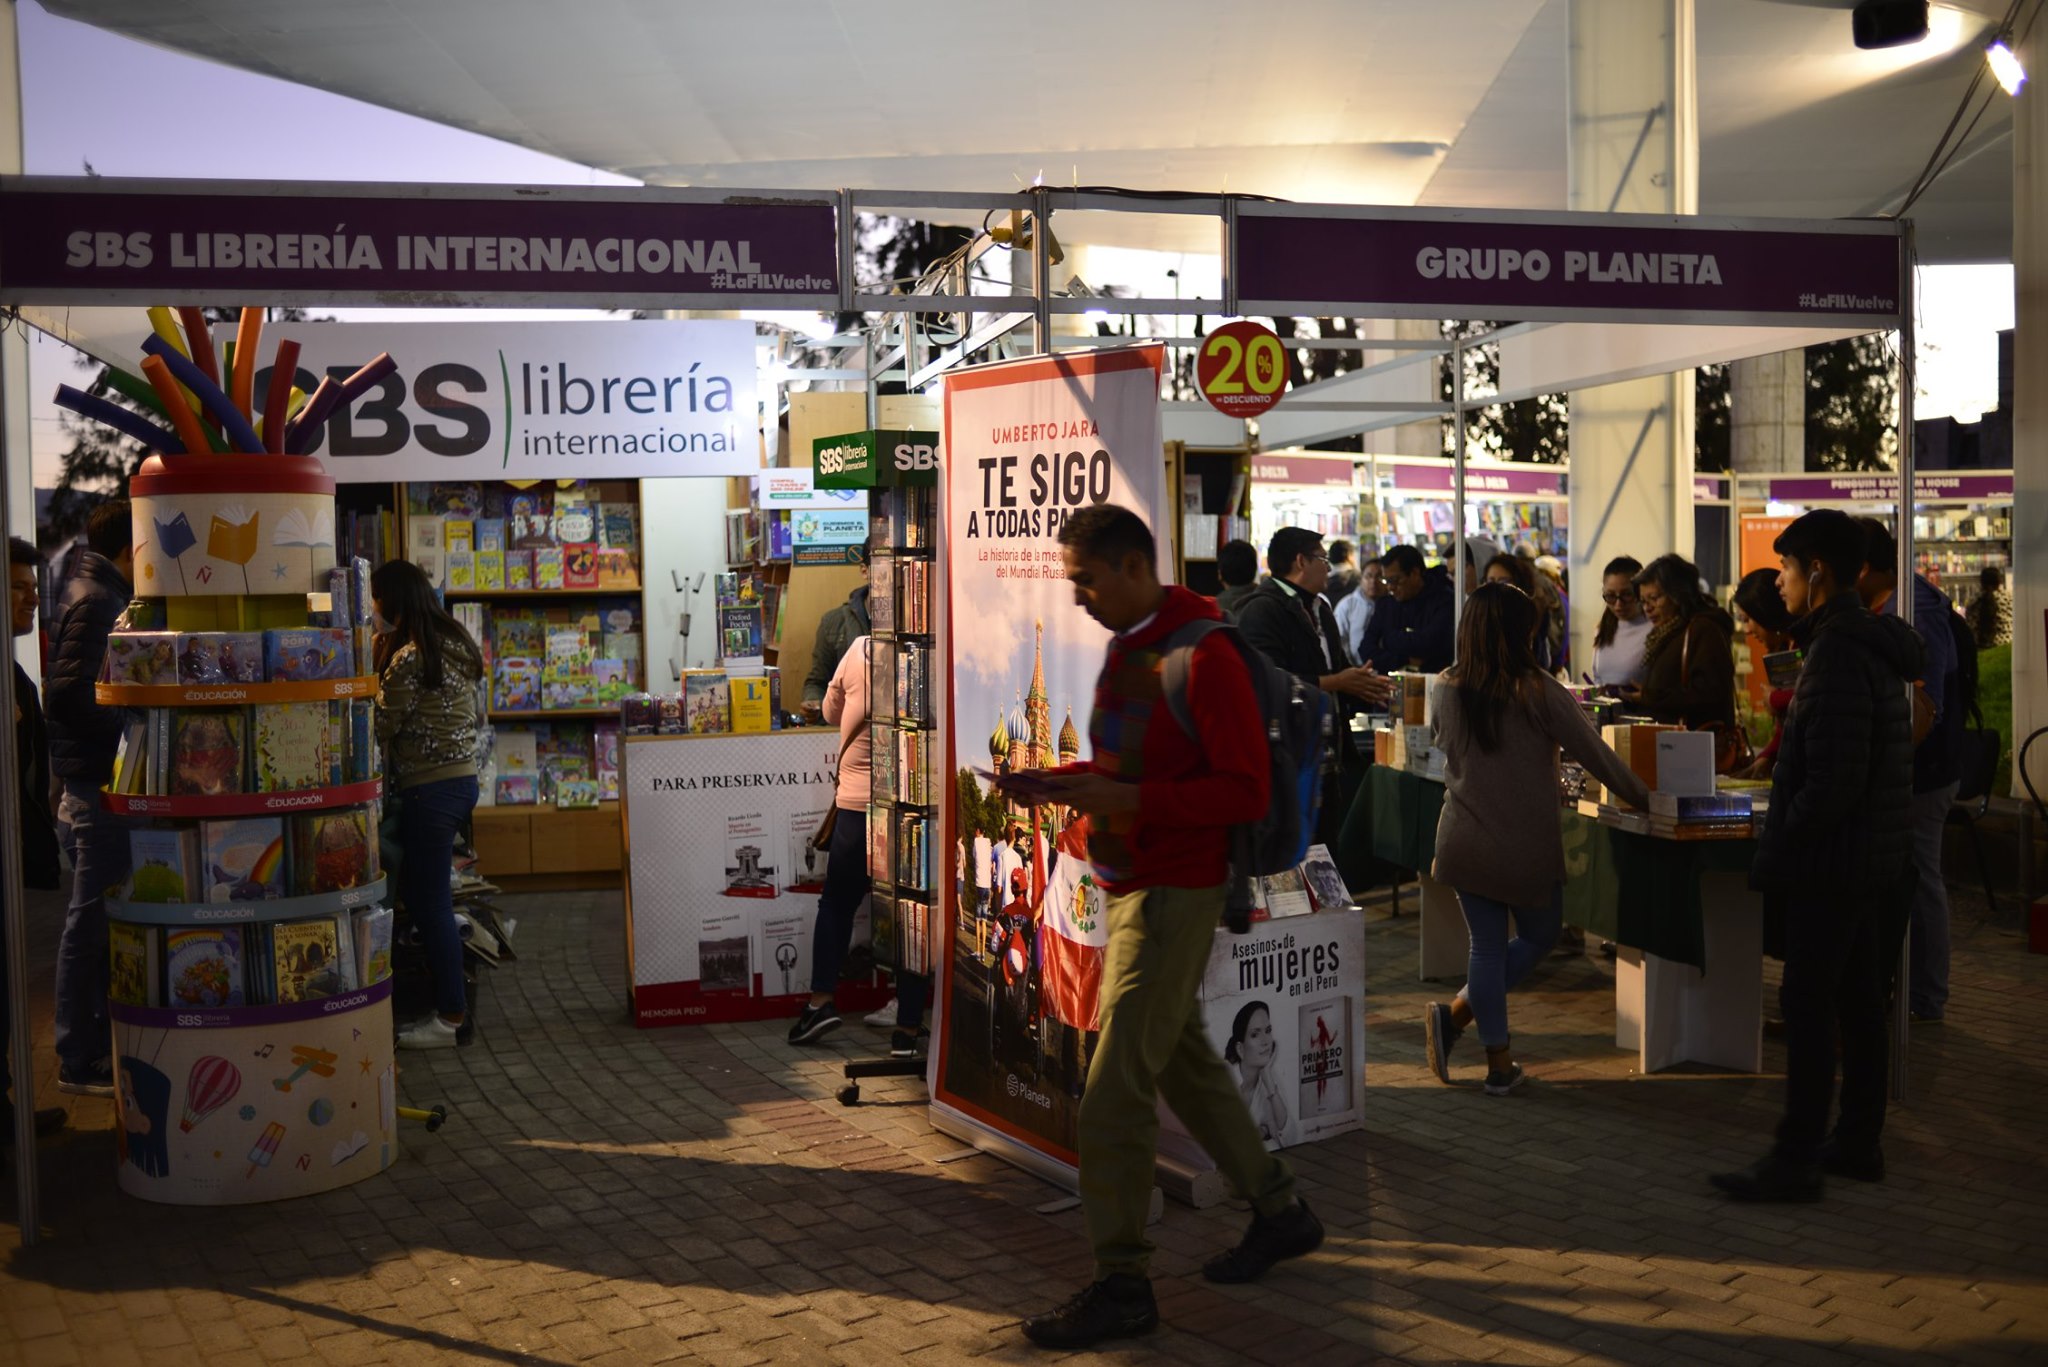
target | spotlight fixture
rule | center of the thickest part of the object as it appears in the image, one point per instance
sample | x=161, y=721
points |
x=1888, y=23
x=2005, y=65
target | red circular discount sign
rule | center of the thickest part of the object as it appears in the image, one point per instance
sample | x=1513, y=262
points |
x=1241, y=369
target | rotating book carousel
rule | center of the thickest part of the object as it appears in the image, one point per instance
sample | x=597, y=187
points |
x=250, y=986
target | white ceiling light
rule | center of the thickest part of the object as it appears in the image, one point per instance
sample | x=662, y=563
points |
x=2006, y=67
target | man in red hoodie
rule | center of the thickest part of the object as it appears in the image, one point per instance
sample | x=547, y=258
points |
x=1162, y=803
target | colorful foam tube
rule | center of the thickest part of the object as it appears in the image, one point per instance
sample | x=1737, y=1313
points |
x=299, y=433
x=120, y=419
x=277, y=403
x=242, y=388
x=135, y=388
x=190, y=434
x=161, y=322
x=239, y=431
x=358, y=384
x=199, y=340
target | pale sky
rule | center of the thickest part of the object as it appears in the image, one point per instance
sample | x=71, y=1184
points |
x=265, y=127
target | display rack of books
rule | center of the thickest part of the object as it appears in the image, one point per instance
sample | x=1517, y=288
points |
x=903, y=811
x=546, y=577
x=1953, y=544
x=1214, y=488
x=251, y=942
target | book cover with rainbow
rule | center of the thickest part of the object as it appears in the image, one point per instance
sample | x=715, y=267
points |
x=243, y=859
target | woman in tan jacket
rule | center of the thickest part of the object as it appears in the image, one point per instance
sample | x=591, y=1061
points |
x=1501, y=721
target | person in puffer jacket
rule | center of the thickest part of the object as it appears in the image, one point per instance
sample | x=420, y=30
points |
x=1832, y=861
x=84, y=737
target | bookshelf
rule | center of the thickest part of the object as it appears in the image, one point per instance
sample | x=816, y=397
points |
x=1212, y=499
x=904, y=858
x=548, y=578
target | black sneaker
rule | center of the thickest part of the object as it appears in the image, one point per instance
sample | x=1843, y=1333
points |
x=906, y=1043
x=95, y=1079
x=1863, y=1165
x=1772, y=1179
x=1290, y=1234
x=1118, y=1306
x=1438, y=1035
x=813, y=1024
x=1499, y=1083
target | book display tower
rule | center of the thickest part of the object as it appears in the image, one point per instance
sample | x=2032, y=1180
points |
x=251, y=942
x=905, y=676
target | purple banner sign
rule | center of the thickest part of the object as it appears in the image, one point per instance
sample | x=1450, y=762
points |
x=1558, y=266
x=1321, y=472
x=1709, y=488
x=192, y=242
x=1488, y=483
x=1879, y=487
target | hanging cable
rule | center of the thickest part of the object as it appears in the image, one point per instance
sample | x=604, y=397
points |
x=1944, y=153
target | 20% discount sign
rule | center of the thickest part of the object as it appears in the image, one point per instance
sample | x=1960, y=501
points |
x=1241, y=369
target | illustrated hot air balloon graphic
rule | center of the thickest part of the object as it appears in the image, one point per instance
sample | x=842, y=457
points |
x=212, y=1084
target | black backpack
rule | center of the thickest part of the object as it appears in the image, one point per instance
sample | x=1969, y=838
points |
x=1297, y=720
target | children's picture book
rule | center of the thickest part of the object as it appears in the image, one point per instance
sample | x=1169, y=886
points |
x=615, y=569
x=605, y=747
x=292, y=747
x=208, y=752
x=490, y=570
x=575, y=793
x=371, y=927
x=131, y=759
x=142, y=657
x=220, y=657
x=308, y=653
x=707, y=701
x=612, y=681
x=455, y=498
x=461, y=569
x=547, y=567
x=579, y=565
x=307, y=958
x=516, y=687
x=203, y=966
x=459, y=534
x=243, y=860
x=529, y=518
x=518, y=569
x=133, y=969
x=518, y=634
x=518, y=790
x=331, y=851
x=566, y=687
x=516, y=751
x=575, y=516
x=490, y=534
x=619, y=526
x=163, y=864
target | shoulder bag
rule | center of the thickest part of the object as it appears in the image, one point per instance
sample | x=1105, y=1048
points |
x=1731, y=743
x=823, y=839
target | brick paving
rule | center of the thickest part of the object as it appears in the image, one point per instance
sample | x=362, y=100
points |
x=695, y=1195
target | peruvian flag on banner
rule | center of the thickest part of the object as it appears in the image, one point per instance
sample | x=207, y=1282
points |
x=1075, y=932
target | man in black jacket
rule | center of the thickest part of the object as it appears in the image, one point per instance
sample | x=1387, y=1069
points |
x=84, y=737
x=1832, y=857
x=40, y=865
x=1287, y=621
x=1412, y=627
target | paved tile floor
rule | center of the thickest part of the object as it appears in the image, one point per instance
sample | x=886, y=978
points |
x=610, y=1195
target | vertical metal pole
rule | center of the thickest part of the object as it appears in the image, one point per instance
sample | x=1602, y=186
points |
x=27, y=1188
x=849, y=241
x=1902, y=600
x=1457, y=490
x=1041, y=268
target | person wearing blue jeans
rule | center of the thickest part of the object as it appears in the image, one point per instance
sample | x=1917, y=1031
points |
x=84, y=738
x=431, y=816
x=427, y=673
x=1497, y=963
x=1501, y=721
x=846, y=857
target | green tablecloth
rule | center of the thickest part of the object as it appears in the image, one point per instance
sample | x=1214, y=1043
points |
x=1405, y=808
x=1640, y=891
x=1632, y=889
